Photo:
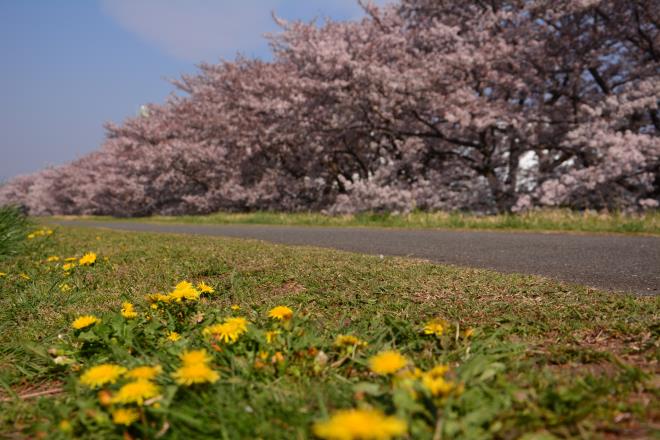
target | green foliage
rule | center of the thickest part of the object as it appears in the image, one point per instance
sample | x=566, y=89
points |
x=14, y=227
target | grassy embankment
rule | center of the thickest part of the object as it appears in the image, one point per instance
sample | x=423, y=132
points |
x=542, y=220
x=542, y=358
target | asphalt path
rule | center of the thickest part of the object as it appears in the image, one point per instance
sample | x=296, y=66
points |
x=612, y=262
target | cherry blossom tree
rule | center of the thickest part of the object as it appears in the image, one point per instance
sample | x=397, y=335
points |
x=490, y=106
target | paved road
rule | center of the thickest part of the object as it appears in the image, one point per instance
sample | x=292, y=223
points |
x=616, y=262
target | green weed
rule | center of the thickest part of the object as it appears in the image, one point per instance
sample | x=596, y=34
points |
x=14, y=227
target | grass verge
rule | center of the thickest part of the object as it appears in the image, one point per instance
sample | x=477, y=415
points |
x=541, y=359
x=541, y=220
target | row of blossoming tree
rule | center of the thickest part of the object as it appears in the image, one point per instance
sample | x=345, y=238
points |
x=491, y=106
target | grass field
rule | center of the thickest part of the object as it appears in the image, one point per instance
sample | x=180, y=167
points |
x=526, y=357
x=542, y=220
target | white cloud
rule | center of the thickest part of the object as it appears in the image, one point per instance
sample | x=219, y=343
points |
x=206, y=30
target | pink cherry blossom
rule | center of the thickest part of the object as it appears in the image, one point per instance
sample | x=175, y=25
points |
x=485, y=106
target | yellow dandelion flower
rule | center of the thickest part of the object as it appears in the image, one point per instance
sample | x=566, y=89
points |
x=468, y=333
x=434, y=381
x=282, y=313
x=437, y=386
x=154, y=306
x=173, y=336
x=229, y=331
x=64, y=287
x=271, y=335
x=195, y=357
x=65, y=426
x=438, y=371
x=84, y=321
x=387, y=362
x=239, y=322
x=40, y=233
x=145, y=372
x=434, y=328
x=127, y=310
x=101, y=375
x=24, y=276
x=410, y=374
x=136, y=392
x=194, y=373
x=184, y=290
x=360, y=424
x=52, y=258
x=88, y=259
x=68, y=266
x=205, y=288
x=349, y=341
x=3, y=274
x=220, y=331
x=71, y=259
x=125, y=416
x=158, y=297
x=235, y=307
x=182, y=285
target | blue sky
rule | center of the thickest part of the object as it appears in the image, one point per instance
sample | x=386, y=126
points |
x=68, y=66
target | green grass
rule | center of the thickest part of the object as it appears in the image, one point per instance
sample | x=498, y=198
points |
x=546, y=359
x=541, y=220
x=14, y=227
